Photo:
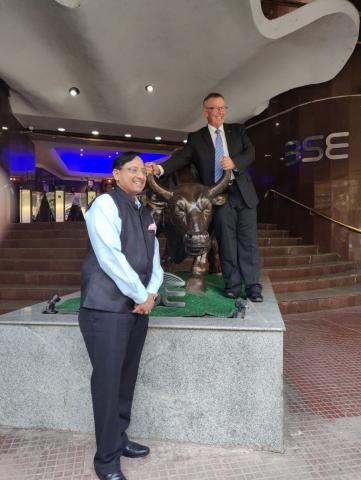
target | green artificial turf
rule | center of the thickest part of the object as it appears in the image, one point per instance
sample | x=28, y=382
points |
x=209, y=303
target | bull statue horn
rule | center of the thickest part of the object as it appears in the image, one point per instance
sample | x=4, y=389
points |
x=161, y=191
x=221, y=185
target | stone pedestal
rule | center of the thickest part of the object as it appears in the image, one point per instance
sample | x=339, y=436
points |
x=207, y=380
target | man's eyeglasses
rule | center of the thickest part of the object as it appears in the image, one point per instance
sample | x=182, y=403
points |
x=135, y=170
x=220, y=109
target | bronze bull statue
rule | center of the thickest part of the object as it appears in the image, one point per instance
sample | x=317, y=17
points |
x=184, y=215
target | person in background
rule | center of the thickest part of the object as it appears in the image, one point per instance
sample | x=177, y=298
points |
x=120, y=279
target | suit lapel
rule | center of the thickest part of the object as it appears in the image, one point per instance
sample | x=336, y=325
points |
x=208, y=139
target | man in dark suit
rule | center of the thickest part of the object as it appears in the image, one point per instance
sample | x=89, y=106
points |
x=211, y=150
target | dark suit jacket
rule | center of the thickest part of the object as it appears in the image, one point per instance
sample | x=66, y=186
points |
x=199, y=151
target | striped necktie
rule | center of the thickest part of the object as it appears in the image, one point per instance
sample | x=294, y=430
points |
x=219, y=152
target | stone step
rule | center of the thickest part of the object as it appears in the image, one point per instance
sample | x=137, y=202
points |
x=295, y=271
x=316, y=283
x=51, y=265
x=82, y=241
x=267, y=226
x=272, y=233
x=288, y=250
x=324, y=299
x=41, y=253
x=272, y=261
x=55, y=242
x=39, y=278
x=48, y=226
x=279, y=241
x=43, y=233
x=263, y=241
x=11, y=305
x=34, y=293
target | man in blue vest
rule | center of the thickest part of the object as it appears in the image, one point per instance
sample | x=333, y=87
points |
x=121, y=276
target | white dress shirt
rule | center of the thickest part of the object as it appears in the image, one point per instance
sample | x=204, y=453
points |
x=212, y=131
x=104, y=227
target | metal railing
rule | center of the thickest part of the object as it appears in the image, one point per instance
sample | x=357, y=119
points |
x=312, y=211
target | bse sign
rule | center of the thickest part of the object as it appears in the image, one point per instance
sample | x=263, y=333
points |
x=315, y=147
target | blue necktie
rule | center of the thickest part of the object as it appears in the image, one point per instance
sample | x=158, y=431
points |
x=219, y=152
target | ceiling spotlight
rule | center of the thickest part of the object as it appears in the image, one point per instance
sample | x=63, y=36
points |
x=128, y=135
x=81, y=154
x=157, y=138
x=267, y=154
x=61, y=129
x=149, y=88
x=277, y=124
x=74, y=91
x=185, y=140
x=4, y=127
x=95, y=132
x=82, y=149
x=109, y=156
x=117, y=153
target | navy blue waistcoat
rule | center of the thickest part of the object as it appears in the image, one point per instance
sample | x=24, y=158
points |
x=98, y=290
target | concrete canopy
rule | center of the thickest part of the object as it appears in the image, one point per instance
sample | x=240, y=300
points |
x=111, y=49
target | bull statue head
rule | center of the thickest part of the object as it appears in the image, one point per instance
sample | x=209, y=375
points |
x=188, y=213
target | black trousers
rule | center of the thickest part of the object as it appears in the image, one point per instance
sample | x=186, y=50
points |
x=235, y=226
x=114, y=342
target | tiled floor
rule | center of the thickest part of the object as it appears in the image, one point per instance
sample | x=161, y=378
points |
x=322, y=423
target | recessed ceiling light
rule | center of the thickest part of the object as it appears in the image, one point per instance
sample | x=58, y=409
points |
x=185, y=141
x=81, y=154
x=267, y=154
x=82, y=149
x=4, y=127
x=158, y=138
x=95, y=132
x=74, y=91
x=61, y=129
x=277, y=124
x=117, y=153
x=149, y=88
x=109, y=156
x=128, y=135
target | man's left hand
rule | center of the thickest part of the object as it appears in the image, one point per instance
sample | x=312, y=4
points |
x=227, y=163
x=146, y=307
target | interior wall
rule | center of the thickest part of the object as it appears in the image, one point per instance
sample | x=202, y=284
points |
x=15, y=147
x=331, y=186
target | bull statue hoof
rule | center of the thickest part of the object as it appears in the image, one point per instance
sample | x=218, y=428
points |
x=196, y=284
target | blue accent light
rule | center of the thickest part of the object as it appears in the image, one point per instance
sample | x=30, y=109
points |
x=19, y=162
x=96, y=161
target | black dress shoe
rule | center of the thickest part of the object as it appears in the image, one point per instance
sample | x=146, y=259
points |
x=254, y=293
x=111, y=476
x=230, y=295
x=135, y=450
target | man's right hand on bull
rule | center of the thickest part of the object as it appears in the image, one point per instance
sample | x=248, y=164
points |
x=153, y=168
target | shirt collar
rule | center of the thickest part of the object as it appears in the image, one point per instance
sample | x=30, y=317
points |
x=212, y=129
